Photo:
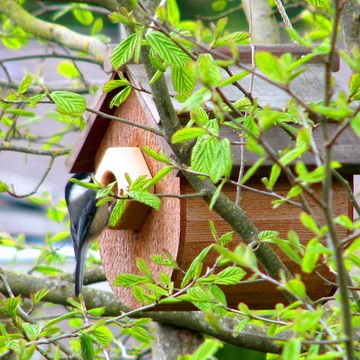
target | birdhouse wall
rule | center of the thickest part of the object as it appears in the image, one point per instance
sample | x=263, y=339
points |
x=161, y=229
x=196, y=235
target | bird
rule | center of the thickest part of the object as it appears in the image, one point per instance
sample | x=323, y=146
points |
x=87, y=221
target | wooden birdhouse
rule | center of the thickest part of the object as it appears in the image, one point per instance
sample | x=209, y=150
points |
x=181, y=227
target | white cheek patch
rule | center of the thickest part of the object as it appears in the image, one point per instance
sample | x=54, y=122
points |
x=77, y=192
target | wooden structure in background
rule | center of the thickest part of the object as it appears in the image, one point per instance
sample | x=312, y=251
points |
x=181, y=226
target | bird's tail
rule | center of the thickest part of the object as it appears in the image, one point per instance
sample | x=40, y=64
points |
x=80, y=267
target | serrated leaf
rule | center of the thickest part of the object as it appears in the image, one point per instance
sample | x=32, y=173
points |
x=142, y=266
x=204, y=154
x=39, y=295
x=83, y=15
x=207, y=71
x=123, y=52
x=223, y=161
x=166, y=49
x=319, y=3
x=87, y=347
x=145, y=198
x=237, y=37
x=187, y=134
x=114, y=84
x=69, y=102
x=271, y=66
x=183, y=80
x=119, y=98
x=230, y=276
x=117, y=212
x=195, y=267
x=129, y=280
x=24, y=84
x=103, y=336
x=32, y=330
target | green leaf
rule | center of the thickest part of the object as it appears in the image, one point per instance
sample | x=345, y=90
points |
x=311, y=256
x=129, y=280
x=119, y=98
x=207, y=349
x=187, y=134
x=173, y=12
x=32, y=330
x=230, y=276
x=68, y=69
x=195, y=268
x=114, y=84
x=83, y=15
x=103, y=336
x=87, y=347
x=117, y=212
x=296, y=287
x=146, y=198
x=204, y=154
x=292, y=349
x=287, y=249
x=183, y=80
x=272, y=67
x=24, y=84
x=234, y=78
x=158, y=177
x=242, y=256
x=142, y=266
x=319, y=3
x=207, y=71
x=123, y=52
x=166, y=49
x=222, y=164
x=199, y=116
x=69, y=102
x=237, y=37
x=97, y=26
x=309, y=222
x=39, y=295
x=252, y=170
x=155, y=155
x=216, y=194
x=97, y=311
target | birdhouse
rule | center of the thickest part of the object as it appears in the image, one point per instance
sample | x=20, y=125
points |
x=181, y=227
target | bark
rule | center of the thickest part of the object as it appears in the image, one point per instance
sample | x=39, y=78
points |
x=53, y=32
x=350, y=23
x=254, y=337
x=263, y=26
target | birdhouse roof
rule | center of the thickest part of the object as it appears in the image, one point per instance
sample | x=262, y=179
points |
x=309, y=87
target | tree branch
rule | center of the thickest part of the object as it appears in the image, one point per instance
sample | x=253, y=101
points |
x=53, y=32
x=253, y=338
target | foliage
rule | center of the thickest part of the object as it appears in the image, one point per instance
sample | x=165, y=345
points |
x=189, y=51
